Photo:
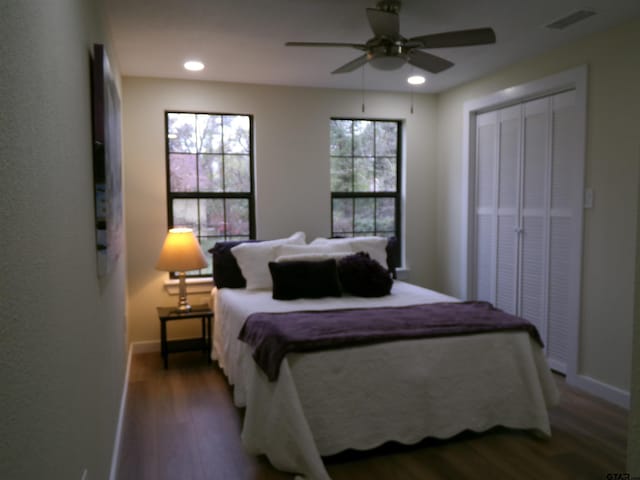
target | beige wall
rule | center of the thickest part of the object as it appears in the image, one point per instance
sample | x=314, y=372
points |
x=611, y=170
x=292, y=171
x=633, y=444
x=62, y=331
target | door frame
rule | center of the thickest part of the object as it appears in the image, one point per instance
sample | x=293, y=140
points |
x=573, y=79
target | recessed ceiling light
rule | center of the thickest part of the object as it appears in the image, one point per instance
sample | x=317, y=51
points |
x=194, y=65
x=416, y=79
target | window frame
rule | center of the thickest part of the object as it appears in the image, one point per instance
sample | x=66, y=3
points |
x=197, y=195
x=397, y=195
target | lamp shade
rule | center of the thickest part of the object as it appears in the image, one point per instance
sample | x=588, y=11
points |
x=180, y=252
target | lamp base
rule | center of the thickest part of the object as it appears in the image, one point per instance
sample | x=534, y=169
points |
x=183, y=305
x=183, y=308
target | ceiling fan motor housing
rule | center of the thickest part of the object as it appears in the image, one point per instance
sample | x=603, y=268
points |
x=387, y=57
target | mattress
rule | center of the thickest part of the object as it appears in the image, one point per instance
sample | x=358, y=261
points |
x=360, y=397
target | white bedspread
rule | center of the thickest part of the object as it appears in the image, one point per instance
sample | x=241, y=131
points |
x=325, y=402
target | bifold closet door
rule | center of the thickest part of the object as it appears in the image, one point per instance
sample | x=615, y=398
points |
x=525, y=205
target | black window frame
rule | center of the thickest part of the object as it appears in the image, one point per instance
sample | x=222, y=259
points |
x=397, y=195
x=197, y=195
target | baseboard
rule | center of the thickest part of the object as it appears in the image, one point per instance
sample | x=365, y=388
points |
x=146, y=346
x=607, y=392
x=115, y=456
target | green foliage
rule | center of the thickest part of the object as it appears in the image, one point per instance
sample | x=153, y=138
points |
x=364, y=159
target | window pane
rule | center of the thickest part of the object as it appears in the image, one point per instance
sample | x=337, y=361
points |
x=341, y=174
x=386, y=171
x=236, y=173
x=183, y=176
x=364, y=215
x=342, y=215
x=209, y=133
x=341, y=138
x=363, y=138
x=386, y=138
x=363, y=173
x=185, y=213
x=181, y=132
x=210, y=173
x=237, y=216
x=206, y=244
x=235, y=134
x=212, y=217
x=385, y=215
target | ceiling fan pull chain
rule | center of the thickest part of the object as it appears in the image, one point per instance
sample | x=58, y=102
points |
x=362, y=88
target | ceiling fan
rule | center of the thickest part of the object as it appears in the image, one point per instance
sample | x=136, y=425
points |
x=388, y=50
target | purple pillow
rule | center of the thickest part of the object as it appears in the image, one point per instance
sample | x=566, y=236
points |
x=226, y=271
x=304, y=279
x=362, y=276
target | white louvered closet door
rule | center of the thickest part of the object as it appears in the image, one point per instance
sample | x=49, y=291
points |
x=525, y=206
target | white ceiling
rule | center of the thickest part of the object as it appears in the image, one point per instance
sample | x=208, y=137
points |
x=243, y=40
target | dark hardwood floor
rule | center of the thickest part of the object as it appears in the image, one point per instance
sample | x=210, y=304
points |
x=180, y=424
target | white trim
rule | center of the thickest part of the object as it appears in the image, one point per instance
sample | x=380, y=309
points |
x=115, y=455
x=573, y=79
x=194, y=285
x=607, y=392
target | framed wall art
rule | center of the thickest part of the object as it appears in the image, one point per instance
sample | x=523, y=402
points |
x=106, y=162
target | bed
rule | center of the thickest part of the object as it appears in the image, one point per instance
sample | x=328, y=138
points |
x=324, y=402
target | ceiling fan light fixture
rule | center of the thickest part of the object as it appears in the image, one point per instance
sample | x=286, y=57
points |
x=193, y=65
x=416, y=80
x=387, y=63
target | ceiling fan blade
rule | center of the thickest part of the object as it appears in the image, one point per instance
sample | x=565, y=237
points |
x=384, y=24
x=325, y=44
x=460, y=38
x=353, y=64
x=428, y=62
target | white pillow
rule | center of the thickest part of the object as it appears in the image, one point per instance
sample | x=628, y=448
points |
x=253, y=259
x=312, y=257
x=320, y=248
x=376, y=247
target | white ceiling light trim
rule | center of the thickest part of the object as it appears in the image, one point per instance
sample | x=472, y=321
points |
x=193, y=65
x=416, y=80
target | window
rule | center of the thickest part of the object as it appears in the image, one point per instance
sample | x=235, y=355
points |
x=365, y=177
x=210, y=176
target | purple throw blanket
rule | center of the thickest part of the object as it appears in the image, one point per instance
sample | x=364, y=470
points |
x=272, y=335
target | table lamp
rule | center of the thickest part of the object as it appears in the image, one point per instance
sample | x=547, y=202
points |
x=180, y=253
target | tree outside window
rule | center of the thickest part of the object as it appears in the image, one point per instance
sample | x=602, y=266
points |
x=210, y=177
x=365, y=177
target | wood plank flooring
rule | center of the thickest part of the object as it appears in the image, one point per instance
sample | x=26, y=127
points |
x=180, y=424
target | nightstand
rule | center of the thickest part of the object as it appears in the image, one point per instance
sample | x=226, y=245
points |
x=169, y=314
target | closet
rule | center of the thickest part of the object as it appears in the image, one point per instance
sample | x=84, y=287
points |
x=528, y=195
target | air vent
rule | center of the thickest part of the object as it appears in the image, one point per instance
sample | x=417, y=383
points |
x=570, y=19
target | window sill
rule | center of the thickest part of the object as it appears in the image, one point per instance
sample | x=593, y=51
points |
x=194, y=285
x=403, y=274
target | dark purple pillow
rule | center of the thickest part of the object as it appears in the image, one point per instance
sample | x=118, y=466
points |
x=226, y=272
x=362, y=276
x=301, y=279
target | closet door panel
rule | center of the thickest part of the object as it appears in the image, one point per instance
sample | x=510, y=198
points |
x=535, y=154
x=485, y=254
x=559, y=278
x=532, y=278
x=565, y=196
x=485, y=244
x=508, y=199
x=486, y=160
x=507, y=254
x=535, y=166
